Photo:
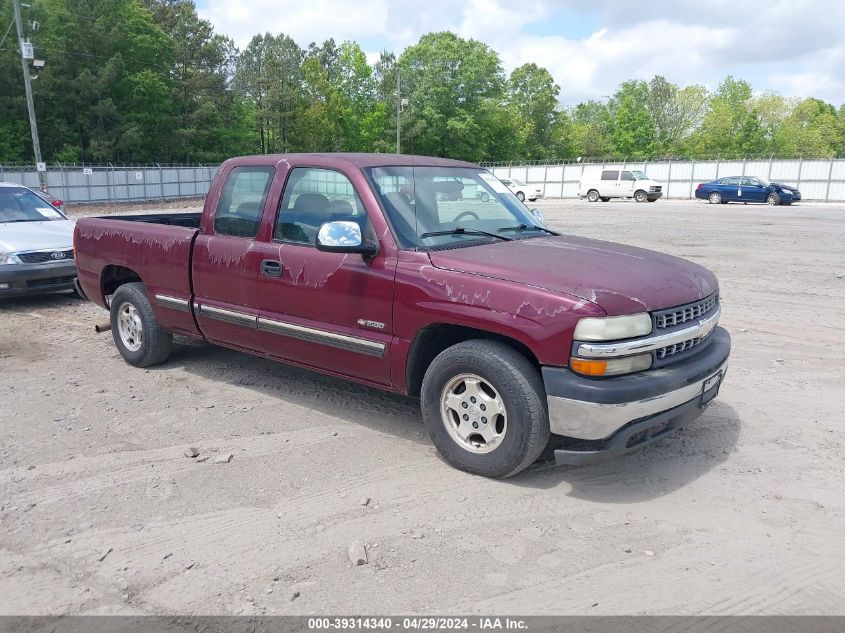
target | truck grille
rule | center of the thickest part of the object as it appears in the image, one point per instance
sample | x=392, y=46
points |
x=676, y=316
x=46, y=256
x=677, y=348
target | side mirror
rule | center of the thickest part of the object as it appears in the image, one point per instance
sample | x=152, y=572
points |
x=538, y=215
x=344, y=237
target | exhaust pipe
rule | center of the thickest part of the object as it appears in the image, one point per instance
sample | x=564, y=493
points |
x=105, y=326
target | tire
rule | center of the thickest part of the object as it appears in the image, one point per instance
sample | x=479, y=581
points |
x=137, y=335
x=640, y=196
x=520, y=196
x=485, y=197
x=507, y=382
x=593, y=195
x=715, y=197
x=773, y=200
x=605, y=199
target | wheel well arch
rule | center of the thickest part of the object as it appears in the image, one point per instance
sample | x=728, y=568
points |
x=436, y=337
x=114, y=276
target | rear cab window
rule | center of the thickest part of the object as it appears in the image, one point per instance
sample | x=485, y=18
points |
x=312, y=197
x=241, y=203
x=610, y=174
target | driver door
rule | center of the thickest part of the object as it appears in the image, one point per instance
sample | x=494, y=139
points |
x=332, y=311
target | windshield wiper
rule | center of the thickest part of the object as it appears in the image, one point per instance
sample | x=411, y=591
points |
x=528, y=227
x=460, y=230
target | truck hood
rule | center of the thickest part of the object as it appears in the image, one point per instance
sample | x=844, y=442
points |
x=36, y=236
x=620, y=279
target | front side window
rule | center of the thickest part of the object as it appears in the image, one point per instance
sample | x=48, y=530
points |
x=241, y=204
x=18, y=204
x=313, y=197
x=430, y=207
x=610, y=174
x=627, y=175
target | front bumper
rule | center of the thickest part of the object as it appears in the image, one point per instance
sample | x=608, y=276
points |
x=610, y=416
x=654, y=195
x=18, y=280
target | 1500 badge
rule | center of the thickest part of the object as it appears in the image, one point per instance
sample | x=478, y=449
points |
x=373, y=324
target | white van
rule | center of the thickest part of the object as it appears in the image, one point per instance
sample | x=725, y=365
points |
x=604, y=184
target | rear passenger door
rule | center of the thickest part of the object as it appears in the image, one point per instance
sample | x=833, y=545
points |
x=225, y=264
x=729, y=188
x=332, y=311
x=608, y=183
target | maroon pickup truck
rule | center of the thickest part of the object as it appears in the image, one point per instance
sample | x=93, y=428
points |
x=426, y=277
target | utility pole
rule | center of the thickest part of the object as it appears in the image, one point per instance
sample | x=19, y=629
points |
x=398, y=108
x=30, y=105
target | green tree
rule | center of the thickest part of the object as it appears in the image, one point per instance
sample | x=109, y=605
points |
x=532, y=92
x=449, y=79
x=632, y=130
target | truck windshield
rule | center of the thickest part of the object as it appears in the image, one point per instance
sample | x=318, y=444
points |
x=639, y=175
x=21, y=205
x=430, y=207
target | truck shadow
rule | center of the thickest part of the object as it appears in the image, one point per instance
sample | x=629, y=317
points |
x=359, y=404
x=653, y=471
x=650, y=472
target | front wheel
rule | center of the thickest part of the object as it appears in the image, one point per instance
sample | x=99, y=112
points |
x=640, y=196
x=484, y=406
x=138, y=336
x=773, y=199
x=520, y=196
x=593, y=195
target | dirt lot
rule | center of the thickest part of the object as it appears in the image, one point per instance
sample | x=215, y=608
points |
x=741, y=514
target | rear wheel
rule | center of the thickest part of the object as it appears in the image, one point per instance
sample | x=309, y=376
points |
x=773, y=199
x=484, y=406
x=715, y=197
x=138, y=336
x=593, y=195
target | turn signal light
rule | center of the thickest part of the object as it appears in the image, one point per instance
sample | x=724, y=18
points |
x=588, y=367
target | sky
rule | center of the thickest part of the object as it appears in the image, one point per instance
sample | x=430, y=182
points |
x=796, y=48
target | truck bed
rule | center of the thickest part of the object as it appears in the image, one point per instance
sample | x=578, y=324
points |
x=154, y=249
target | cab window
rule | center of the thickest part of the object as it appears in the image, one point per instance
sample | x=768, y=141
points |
x=313, y=197
x=627, y=175
x=733, y=182
x=610, y=174
x=242, y=201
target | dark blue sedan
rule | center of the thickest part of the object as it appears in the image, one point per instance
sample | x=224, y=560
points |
x=746, y=189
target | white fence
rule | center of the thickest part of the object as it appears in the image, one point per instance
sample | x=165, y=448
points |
x=116, y=184
x=817, y=179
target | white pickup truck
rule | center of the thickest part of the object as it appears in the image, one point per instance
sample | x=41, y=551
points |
x=604, y=184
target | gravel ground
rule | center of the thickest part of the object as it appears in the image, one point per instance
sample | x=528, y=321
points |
x=742, y=513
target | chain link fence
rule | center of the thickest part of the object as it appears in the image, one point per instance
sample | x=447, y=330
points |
x=115, y=183
x=818, y=179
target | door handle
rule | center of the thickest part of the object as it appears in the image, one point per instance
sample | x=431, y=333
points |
x=271, y=268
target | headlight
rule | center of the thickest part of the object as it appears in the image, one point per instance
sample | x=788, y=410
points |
x=6, y=258
x=613, y=328
x=611, y=367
